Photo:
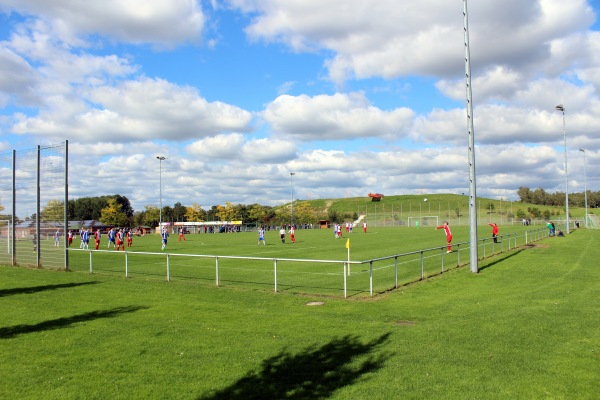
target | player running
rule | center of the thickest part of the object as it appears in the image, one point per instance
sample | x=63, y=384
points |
x=165, y=235
x=261, y=236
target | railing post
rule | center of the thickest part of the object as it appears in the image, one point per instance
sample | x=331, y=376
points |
x=126, y=264
x=442, y=253
x=275, y=273
x=168, y=268
x=371, y=277
x=396, y=271
x=90, y=261
x=458, y=255
x=422, y=266
x=217, y=270
x=345, y=282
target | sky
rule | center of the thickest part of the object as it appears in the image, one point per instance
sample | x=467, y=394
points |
x=352, y=97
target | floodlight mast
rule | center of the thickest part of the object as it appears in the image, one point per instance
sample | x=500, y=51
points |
x=585, y=187
x=473, y=256
x=561, y=108
x=292, y=187
x=160, y=160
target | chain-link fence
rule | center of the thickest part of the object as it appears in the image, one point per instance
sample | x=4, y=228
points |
x=33, y=193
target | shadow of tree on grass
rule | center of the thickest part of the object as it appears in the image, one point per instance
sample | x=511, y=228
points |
x=315, y=373
x=12, y=331
x=35, y=289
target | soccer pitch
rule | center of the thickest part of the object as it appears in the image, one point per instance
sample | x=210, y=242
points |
x=306, y=266
x=526, y=326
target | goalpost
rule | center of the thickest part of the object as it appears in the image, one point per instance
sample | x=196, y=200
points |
x=427, y=221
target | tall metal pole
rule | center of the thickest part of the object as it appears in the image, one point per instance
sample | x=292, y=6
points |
x=561, y=108
x=66, y=210
x=292, y=186
x=160, y=160
x=472, y=184
x=585, y=186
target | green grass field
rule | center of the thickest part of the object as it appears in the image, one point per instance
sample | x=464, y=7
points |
x=526, y=326
x=295, y=276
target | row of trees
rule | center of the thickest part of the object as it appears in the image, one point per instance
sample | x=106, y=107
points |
x=540, y=197
x=116, y=210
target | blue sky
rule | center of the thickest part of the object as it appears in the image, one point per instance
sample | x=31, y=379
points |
x=354, y=97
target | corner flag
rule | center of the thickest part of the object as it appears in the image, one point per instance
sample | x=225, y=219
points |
x=348, y=243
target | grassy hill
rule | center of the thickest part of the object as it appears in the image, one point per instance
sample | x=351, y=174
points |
x=392, y=210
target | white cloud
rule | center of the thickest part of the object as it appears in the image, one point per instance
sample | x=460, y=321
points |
x=389, y=38
x=336, y=117
x=140, y=110
x=163, y=22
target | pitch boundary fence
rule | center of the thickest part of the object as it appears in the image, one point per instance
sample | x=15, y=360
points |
x=421, y=264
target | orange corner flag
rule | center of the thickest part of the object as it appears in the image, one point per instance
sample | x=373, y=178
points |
x=348, y=243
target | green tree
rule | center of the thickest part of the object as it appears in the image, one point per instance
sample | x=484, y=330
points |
x=304, y=213
x=179, y=212
x=257, y=213
x=152, y=216
x=54, y=211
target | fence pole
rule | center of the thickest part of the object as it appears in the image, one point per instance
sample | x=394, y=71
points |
x=422, y=267
x=345, y=282
x=396, y=271
x=126, y=265
x=168, y=268
x=90, y=261
x=458, y=256
x=442, y=253
x=275, y=273
x=217, y=270
x=371, y=277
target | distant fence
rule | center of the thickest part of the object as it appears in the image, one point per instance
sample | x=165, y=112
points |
x=34, y=190
x=306, y=275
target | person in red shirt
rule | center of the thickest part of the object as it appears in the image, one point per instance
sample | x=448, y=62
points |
x=120, y=240
x=97, y=238
x=129, y=238
x=446, y=229
x=495, y=231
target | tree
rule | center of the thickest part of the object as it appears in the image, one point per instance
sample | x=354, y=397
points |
x=112, y=214
x=54, y=211
x=179, y=212
x=195, y=213
x=304, y=213
x=226, y=212
x=257, y=213
x=152, y=216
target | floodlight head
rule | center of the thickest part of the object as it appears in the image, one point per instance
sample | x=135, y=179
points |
x=560, y=107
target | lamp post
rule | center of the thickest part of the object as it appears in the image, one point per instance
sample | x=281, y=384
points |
x=584, y=186
x=160, y=160
x=292, y=187
x=561, y=108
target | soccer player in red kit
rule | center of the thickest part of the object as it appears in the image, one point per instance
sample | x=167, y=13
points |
x=129, y=238
x=446, y=229
x=120, y=241
x=97, y=238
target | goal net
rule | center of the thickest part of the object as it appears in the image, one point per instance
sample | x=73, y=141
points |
x=428, y=221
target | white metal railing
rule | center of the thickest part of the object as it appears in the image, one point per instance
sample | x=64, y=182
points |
x=505, y=242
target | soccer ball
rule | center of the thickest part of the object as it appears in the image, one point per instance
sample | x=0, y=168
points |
x=424, y=199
